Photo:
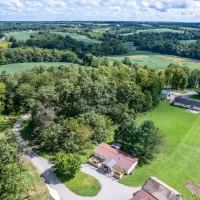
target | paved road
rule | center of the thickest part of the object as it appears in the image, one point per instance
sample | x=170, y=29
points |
x=111, y=189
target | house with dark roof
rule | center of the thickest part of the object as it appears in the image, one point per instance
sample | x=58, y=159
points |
x=112, y=160
x=185, y=102
x=155, y=189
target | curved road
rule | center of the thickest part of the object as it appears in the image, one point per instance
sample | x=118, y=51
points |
x=111, y=189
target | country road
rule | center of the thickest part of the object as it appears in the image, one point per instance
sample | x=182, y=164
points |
x=111, y=189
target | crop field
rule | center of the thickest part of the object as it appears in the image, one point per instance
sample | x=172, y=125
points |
x=81, y=38
x=179, y=159
x=155, y=60
x=18, y=67
x=23, y=35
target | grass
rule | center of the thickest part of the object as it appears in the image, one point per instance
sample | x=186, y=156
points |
x=158, y=30
x=180, y=157
x=83, y=184
x=18, y=67
x=34, y=188
x=187, y=41
x=23, y=35
x=195, y=97
x=81, y=38
x=5, y=44
x=155, y=60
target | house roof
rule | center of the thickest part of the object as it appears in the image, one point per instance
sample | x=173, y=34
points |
x=155, y=189
x=186, y=101
x=121, y=158
x=166, y=92
x=143, y=195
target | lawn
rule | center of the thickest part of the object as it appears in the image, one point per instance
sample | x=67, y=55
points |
x=23, y=35
x=84, y=185
x=180, y=157
x=187, y=41
x=195, y=97
x=18, y=67
x=155, y=60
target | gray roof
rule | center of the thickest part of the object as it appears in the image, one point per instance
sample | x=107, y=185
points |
x=187, y=101
x=116, y=145
x=166, y=92
x=109, y=162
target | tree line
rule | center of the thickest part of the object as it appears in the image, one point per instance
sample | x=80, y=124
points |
x=167, y=43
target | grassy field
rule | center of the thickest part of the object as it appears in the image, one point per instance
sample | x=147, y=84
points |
x=23, y=35
x=18, y=67
x=5, y=44
x=155, y=60
x=187, y=41
x=180, y=157
x=84, y=185
x=81, y=38
x=159, y=30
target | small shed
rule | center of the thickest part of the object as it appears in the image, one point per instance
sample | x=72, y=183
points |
x=165, y=94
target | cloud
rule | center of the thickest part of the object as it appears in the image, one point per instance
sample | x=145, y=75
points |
x=56, y=3
x=114, y=8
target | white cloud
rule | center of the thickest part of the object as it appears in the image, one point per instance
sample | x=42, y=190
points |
x=114, y=8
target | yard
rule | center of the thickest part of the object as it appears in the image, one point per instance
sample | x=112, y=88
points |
x=84, y=185
x=18, y=67
x=180, y=157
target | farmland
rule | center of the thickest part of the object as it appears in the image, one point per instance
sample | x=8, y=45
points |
x=180, y=157
x=14, y=68
x=23, y=35
x=160, y=30
x=155, y=60
x=81, y=38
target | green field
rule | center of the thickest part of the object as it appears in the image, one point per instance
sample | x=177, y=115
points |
x=23, y=35
x=81, y=38
x=4, y=44
x=84, y=185
x=187, y=41
x=180, y=156
x=155, y=60
x=159, y=30
x=18, y=67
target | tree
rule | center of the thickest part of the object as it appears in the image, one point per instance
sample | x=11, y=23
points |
x=2, y=34
x=127, y=61
x=67, y=164
x=2, y=95
x=12, y=39
x=143, y=141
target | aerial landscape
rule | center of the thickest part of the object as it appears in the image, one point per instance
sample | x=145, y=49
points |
x=99, y=99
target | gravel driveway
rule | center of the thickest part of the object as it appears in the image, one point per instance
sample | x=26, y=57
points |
x=111, y=189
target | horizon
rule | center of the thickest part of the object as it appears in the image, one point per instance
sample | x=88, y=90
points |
x=100, y=10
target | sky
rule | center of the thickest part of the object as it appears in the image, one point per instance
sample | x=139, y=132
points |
x=100, y=10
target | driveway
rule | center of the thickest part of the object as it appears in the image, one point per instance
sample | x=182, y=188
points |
x=111, y=189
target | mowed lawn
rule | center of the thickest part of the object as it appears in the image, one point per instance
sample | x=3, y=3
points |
x=155, y=60
x=180, y=157
x=18, y=67
x=23, y=35
x=84, y=185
